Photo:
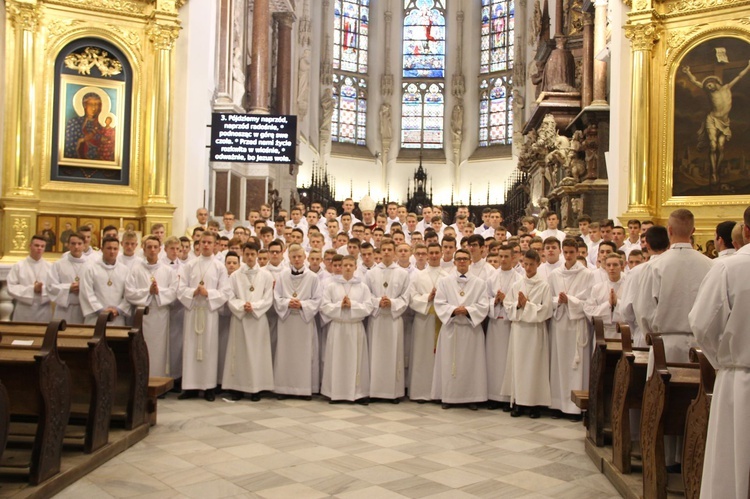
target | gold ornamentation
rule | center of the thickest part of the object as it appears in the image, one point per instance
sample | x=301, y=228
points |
x=129, y=36
x=641, y=5
x=688, y=5
x=20, y=233
x=23, y=16
x=678, y=37
x=106, y=5
x=163, y=36
x=642, y=36
x=91, y=57
x=57, y=27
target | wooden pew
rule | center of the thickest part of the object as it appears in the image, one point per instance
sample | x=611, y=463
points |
x=4, y=418
x=696, y=427
x=38, y=384
x=92, y=369
x=666, y=399
x=606, y=353
x=627, y=393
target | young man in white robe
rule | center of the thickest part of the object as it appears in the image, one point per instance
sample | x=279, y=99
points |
x=605, y=296
x=153, y=285
x=276, y=265
x=232, y=263
x=425, y=327
x=296, y=300
x=205, y=290
x=103, y=285
x=129, y=243
x=498, y=329
x=64, y=282
x=248, y=367
x=461, y=303
x=479, y=268
x=529, y=305
x=552, y=230
x=552, y=261
x=174, y=250
x=345, y=304
x=389, y=285
x=27, y=284
x=570, y=332
x=719, y=321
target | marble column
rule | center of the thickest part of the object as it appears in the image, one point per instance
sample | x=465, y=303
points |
x=588, y=60
x=284, y=62
x=223, y=94
x=260, y=66
x=642, y=38
x=600, y=42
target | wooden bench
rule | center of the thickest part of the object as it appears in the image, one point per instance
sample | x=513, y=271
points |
x=627, y=394
x=696, y=427
x=157, y=386
x=666, y=398
x=38, y=385
x=606, y=353
x=4, y=418
x=92, y=369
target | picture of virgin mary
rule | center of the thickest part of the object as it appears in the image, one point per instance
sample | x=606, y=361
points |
x=90, y=135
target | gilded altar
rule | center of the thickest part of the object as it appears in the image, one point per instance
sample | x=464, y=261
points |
x=87, y=126
x=689, y=134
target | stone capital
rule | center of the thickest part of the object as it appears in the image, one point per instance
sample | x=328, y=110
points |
x=24, y=15
x=163, y=36
x=285, y=19
x=642, y=36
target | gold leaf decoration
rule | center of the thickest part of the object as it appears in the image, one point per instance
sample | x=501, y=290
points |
x=93, y=57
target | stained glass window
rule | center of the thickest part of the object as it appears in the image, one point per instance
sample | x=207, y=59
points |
x=423, y=99
x=495, y=111
x=497, y=36
x=350, y=35
x=422, y=109
x=424, y=39
x=349, y=109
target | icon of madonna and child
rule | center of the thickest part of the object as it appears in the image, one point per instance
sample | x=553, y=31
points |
x=90, y=126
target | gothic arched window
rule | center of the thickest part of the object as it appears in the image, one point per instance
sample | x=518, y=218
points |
x=423, y=85
x=496, y=67
x=350, y=42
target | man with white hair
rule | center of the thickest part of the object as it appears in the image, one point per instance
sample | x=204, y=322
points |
x=201, y=214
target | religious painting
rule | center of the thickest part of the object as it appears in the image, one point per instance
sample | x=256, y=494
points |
x=711, y=126
x=95, y=225
x=91, y=128
x=424, y=39
x=46, y=227
x=66, y=226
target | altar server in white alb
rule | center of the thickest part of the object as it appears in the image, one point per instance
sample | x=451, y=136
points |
x=498, y=329
x=206, y=289
x=248, y=367
x=64, y=281
x=461, y=303
x=529, y=305
x=27, y=284
x=152, y=284
x=296, y=300
x=570, y=333
x=426, y=326
x=345, y=305
x=389, y=285
x=719, y=320
x=103, y=285
x=603, y=301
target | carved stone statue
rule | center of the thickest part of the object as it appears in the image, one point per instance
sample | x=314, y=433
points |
x=560, y=70
x=541, y=224
x=457, y=123
x=591, y=146
x=274, y=199
x=326, y=111
x=386, y=128
x=575, y=162
x=303, y=84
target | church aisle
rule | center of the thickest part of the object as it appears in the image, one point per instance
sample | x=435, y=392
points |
x=299, y=449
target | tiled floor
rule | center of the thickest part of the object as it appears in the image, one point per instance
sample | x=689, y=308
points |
x=298, y=449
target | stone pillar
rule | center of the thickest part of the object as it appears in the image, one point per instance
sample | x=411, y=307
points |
x=600, y=42
x=642, y=38
x=588, y=60
x=260, y=67
x=162, y=33
x=223, y=93
x=284, y=62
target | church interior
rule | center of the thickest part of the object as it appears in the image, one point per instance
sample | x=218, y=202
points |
x=575, y=107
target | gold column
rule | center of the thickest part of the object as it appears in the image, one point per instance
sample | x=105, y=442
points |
x=642, y=38
x=284, y=63
x=600, y=43
x=162, y=34
x=260, y=66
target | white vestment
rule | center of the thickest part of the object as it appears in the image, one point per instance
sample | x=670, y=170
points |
x=628, y=293
x=346, y=371
x=719, y=321
x=560, y=235
x=460, y=374
x=481, y=270
x=271, y=314
x=30, y=306
x=128, y=261
x=385, y=330
x=296, y=364
x=424, y=332
x=597, y=305
x=200, y=352
x=498, y=334
x=546, y=268
x=570, y=336
x=103, y=286
x=526, y=378
x=63, y=273
x=248, y=366
x=176, y=320
x=156, y=323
